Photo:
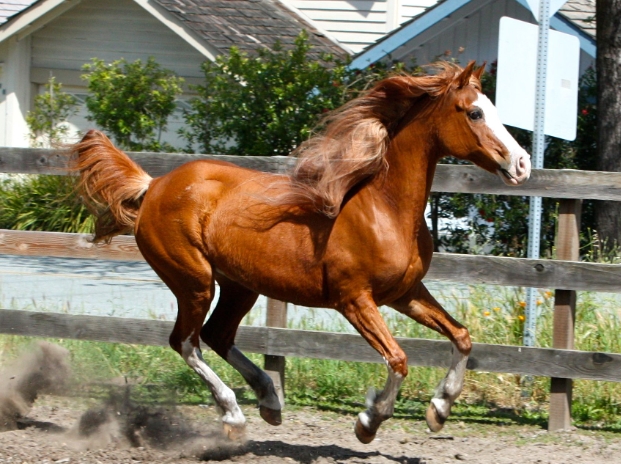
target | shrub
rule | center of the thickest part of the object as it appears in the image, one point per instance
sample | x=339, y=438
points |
x=132, y=101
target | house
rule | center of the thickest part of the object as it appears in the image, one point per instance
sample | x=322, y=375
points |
x=40, y=38
x=356, y=24
x=56, y=37
x=468, y=30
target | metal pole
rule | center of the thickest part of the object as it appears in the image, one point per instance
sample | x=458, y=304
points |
x=534, y=223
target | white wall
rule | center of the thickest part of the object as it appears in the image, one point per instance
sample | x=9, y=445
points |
x=110, y=30
x=359, y=23
x=15, y=93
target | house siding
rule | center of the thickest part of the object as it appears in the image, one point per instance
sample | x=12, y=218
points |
x=464, y=38
x=359, y=23
x=111, y=30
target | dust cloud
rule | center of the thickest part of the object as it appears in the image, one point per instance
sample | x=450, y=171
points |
x=117, y=422
x=42, y=369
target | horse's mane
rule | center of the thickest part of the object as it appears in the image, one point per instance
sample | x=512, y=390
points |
x=353, y=145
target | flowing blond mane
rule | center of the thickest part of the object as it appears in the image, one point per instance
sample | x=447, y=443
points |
x=353, y=145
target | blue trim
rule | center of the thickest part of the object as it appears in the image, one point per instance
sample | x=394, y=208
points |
x=402, y=36
x=587, y=43
x=438, y=13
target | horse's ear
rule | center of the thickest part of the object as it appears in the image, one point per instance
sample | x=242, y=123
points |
x=464, y=78
x=479, y=71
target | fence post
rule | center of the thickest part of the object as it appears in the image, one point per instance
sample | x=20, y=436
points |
x=275, y=365
x=567, y=248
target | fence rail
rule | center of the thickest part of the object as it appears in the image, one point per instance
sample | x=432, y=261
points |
x=272, y=341
x=449, y=267
x=276, y=343
x=553, y=183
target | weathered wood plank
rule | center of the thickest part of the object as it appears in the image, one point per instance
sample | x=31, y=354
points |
x=274, y=366
x=323, y=345
x=33, y=160
x=62, y=245
x=550, y=183
x=49, y=161
x=436, y=353
x=448, y=267
x=554, y=183
x=521, y=272
x=567, y=247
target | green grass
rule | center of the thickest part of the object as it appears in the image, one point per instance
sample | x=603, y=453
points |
x=493, y=317
x=42, y=202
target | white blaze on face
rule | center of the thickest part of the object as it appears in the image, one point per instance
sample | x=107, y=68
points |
x=517, y=170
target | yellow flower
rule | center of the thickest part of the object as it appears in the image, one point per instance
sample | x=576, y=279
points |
x=539, y=302
x=522, y=304
x=548, y=294
x=486, y=313
x=521, y=317
x=496, y=308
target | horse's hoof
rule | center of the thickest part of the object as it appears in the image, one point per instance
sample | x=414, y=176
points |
x=234, y=432
x=271, y=416
x=362, y=434
x=435, y=422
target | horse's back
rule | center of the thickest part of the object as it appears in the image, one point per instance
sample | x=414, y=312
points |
x=179, y=205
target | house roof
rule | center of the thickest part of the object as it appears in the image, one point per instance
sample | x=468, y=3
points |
x=12, y=7
x=246, y=24
x=576, y=17
x=581, y=13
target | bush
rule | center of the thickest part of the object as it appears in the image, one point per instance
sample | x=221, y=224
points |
x=267, y=104
x=43, y=203
x=47, y=121
x=132, y=101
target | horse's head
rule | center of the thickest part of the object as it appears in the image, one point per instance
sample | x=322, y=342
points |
x=468, y=127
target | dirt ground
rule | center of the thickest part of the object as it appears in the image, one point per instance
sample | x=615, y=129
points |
x=54, y=432
x=40, y=423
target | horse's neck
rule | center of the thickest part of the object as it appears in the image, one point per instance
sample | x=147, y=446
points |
x=412, y=164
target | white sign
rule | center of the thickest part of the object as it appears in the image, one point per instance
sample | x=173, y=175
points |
x=554, y=6
x=517, y=74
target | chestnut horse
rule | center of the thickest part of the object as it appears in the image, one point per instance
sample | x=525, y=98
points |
x=346, y=230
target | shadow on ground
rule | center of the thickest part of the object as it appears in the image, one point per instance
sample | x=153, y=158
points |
x=303, y=454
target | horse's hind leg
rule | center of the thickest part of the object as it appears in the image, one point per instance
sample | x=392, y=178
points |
x=189, y=276
x=424, y=308
x=219, y=333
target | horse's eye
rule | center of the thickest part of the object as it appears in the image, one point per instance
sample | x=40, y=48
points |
x=475, y=114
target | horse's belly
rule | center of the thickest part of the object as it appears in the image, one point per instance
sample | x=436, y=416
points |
x=276, y=265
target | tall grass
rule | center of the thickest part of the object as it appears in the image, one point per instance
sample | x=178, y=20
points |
x=493, y=315
x=42, y=202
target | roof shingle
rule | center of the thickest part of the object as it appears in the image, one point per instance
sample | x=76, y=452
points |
x=247, y=24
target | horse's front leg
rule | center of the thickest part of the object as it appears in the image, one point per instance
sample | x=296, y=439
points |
x=423, y=308
x=366, y=319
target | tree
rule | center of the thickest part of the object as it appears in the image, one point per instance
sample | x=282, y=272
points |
x=608, y=15
x=48, y=120
x=268, y=103
x=131, y=101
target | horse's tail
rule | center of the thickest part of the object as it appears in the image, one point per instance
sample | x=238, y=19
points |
x=111, y=184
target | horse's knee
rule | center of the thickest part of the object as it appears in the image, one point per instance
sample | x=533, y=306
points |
x=462, y=341
x=399, y=364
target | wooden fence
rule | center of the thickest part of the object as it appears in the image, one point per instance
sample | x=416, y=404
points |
x=561, y=362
